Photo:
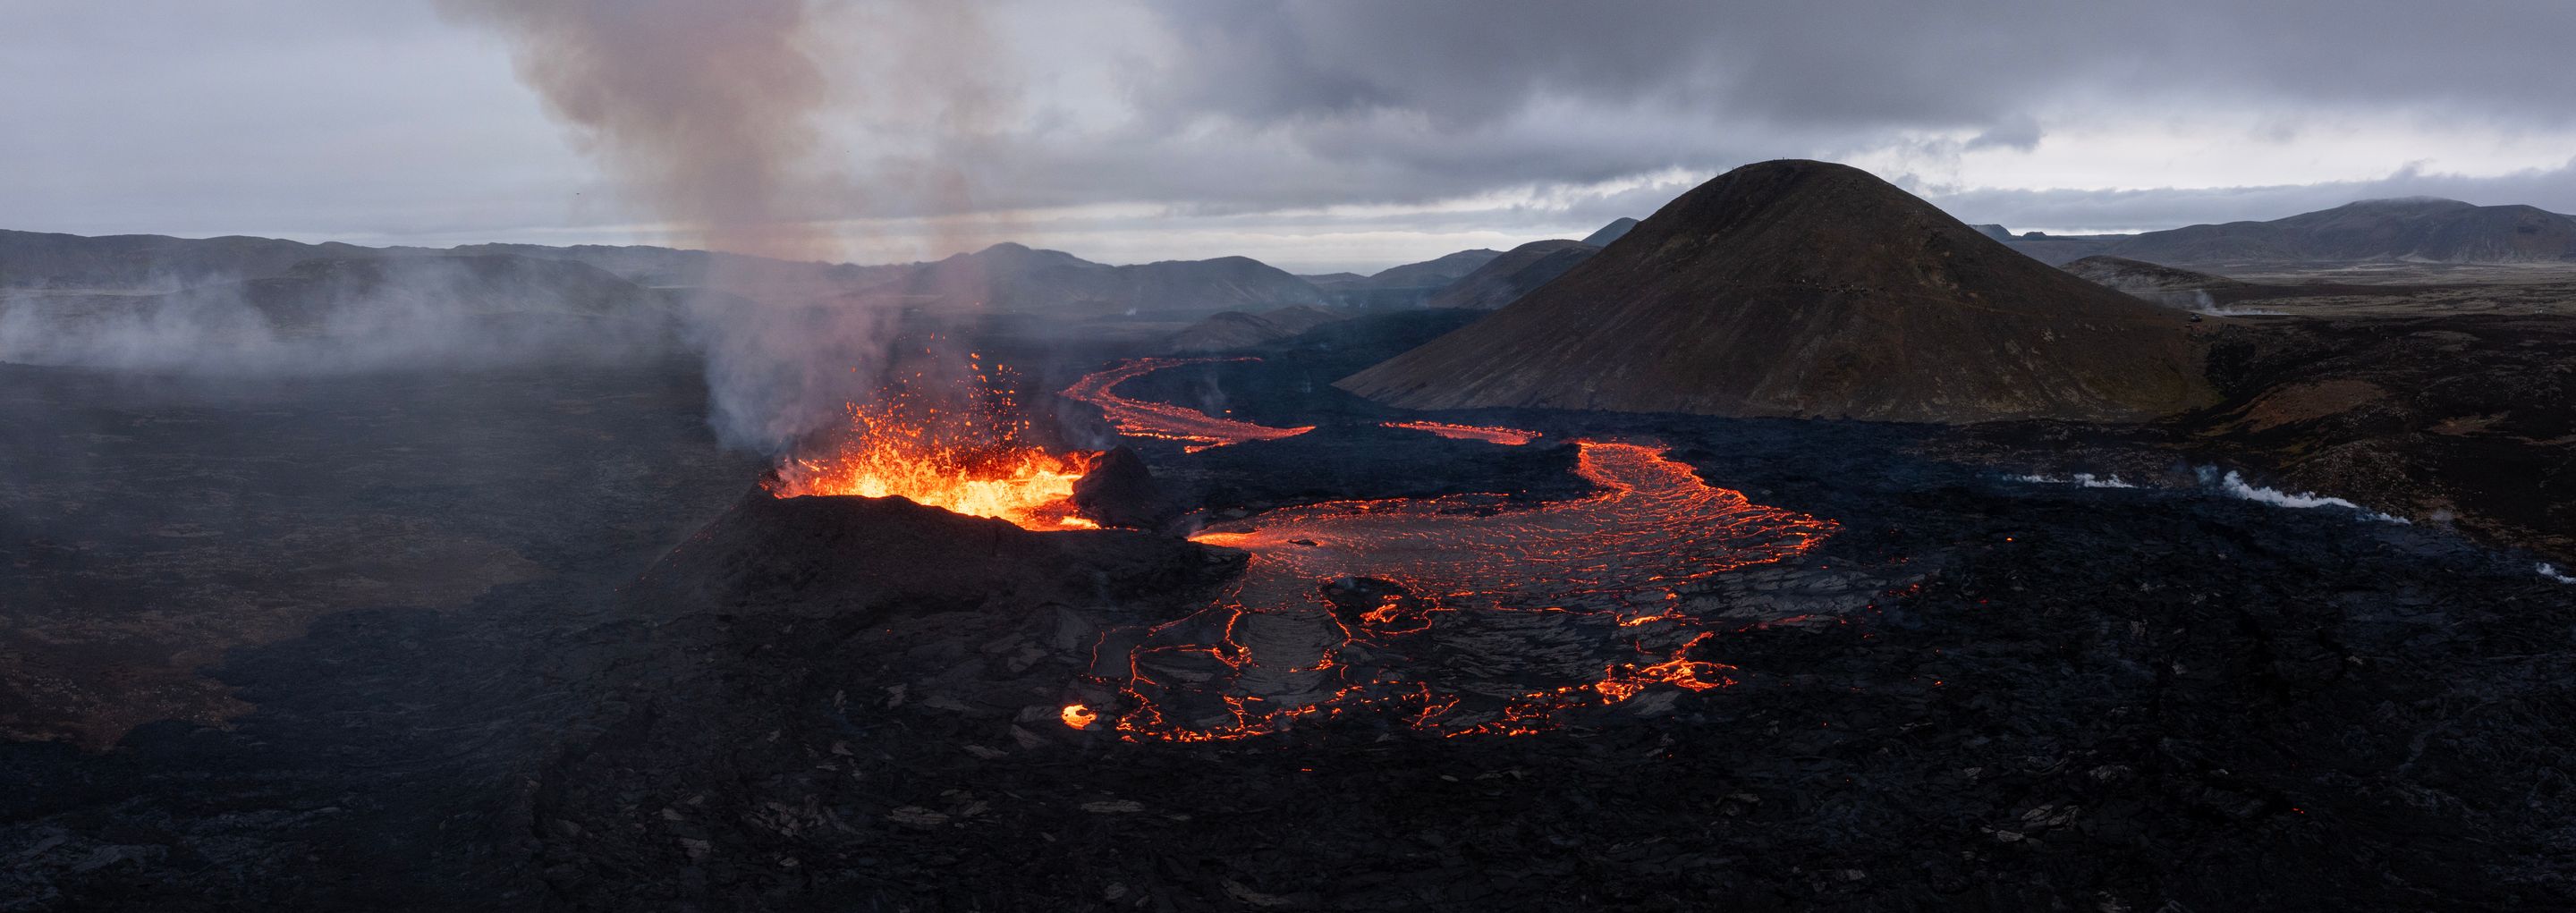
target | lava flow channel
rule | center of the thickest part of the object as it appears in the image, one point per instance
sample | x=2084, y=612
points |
x=1164, y=421
x=1452, y=615
x=1491, y=434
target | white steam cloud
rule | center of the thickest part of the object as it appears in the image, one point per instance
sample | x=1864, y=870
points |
x=710, y=116
x=2083, y=479
x=2233, y=484
x=2227, y=482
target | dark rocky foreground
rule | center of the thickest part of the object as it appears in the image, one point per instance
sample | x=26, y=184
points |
x=286, y=641
x=2465, y=421
x=1982, y=693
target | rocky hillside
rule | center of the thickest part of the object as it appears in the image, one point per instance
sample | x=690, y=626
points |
x=1813, y=289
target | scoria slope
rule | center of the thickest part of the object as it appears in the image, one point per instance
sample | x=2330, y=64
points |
x=1810, y=289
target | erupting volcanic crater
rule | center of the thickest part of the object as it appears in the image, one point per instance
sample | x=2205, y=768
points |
x=1457, y=615
x=975, y=459
x=971, y=459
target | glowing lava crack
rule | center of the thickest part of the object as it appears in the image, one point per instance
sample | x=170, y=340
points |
x=1456, y=615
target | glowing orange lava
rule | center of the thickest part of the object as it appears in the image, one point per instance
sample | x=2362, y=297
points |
x=1079, y=716
x=1164, y=421
x=1508, y=437
x=966, y=459
x=1458, y=615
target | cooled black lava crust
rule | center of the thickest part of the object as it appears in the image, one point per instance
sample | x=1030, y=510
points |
x=2075, y=698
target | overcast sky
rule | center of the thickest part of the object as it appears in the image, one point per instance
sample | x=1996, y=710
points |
x=1316, y=136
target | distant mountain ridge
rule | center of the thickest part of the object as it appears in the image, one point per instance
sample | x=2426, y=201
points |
x=2429, y=229
x=1517, y=272
x=1015, y=278
x=1004, y=277
x=1403, y=286
x=1237, y=330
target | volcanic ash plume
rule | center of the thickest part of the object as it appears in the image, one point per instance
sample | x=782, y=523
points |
x=707, y=114
x=706, y=110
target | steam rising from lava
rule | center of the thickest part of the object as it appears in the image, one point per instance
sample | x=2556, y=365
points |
x=710, y=116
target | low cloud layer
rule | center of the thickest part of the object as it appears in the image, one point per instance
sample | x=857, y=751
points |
x=327, y=317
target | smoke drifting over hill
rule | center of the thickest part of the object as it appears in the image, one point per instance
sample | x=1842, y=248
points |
x=709, y=116
x=330, y=316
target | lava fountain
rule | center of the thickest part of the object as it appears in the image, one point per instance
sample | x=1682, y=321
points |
x=1458, y=615
x=1139, y=418
x=971, y=458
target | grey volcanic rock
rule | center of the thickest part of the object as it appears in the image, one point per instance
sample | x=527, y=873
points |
x=1236, y=329
x=1119, y=490
x=1514, y=274
x=1617, y=229
x=2411, y=228
x=2156, y=282
x=829, y=555
x=1810, y=289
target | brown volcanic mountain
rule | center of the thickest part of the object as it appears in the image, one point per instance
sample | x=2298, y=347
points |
x=1806, y=288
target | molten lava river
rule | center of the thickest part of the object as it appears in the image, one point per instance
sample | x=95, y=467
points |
x=1459, y=615
x=1463, y=615
x=1139, y=418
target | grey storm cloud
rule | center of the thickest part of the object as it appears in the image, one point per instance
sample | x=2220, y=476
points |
x=383, y=122
x=1256, y=105
x=1871, y=63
